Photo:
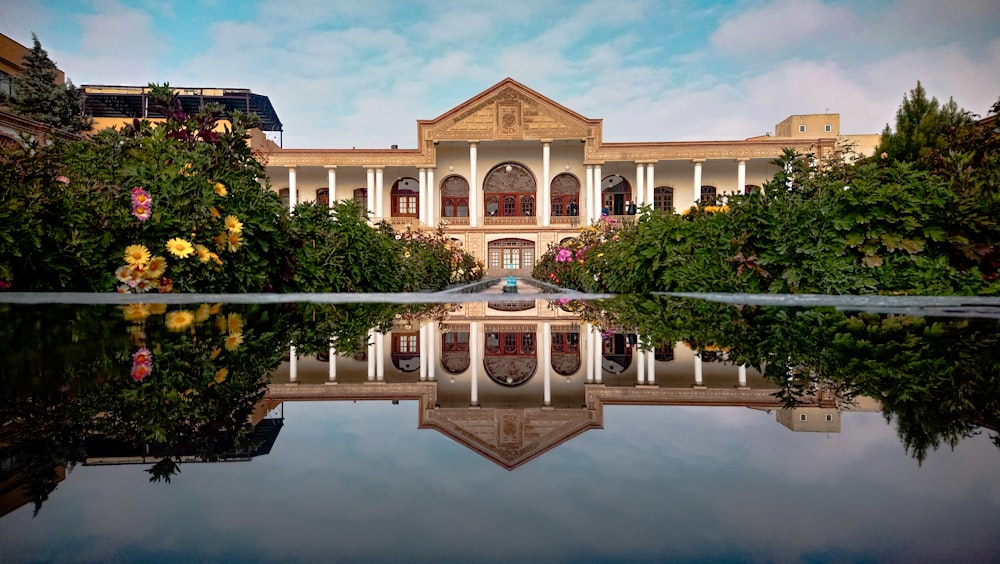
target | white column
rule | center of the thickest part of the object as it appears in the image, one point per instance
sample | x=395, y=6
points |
x=331, y=183
x=650, y=183
x=431, y=199
x=371, y=193
x=547, y=362
x=425, y=357
x=698, y=380
x=589, y=195
x=379, y=196
x=474, y=355
x=696, y=192
x=422, y=195
x=546, y=202
x=640, y=184
x=741, y=175
x=293, y=193
x=473, y=186
x=293, y=365
x=598, y=199
x=379, y=357
x=640, y=367
x=371, y=355
x=743, y=376
x=650, y=364
x=435, y=350
x=333, y=363
x=588, y=352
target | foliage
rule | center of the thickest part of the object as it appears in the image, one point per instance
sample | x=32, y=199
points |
x=922, y=126
x=37, y=95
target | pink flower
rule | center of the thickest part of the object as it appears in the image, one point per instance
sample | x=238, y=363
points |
x=62, y=179
x=141, y=212
x=142, y=356
x=140, y=197
x=564, y=255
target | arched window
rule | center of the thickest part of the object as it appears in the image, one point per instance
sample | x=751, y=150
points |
x=663, y=198
x=455, y=352
x=361, y=198
x=406, y=351
x=709, y=195
x=511, y=253
x=566, y=352
x=405, y=197
x=454, y=197
x=510, y=357
x=751, y=188
x=284, y=195
x=664, y=353
x=323, y=196
x=565, y=190
x=509, y=190
x=616, y=193
x=617, y=352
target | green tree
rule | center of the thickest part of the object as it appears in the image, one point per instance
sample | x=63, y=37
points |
x=38, y=96
x=922, y=126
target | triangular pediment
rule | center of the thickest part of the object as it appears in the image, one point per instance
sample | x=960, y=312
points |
x=508, y=111
x=511, y=436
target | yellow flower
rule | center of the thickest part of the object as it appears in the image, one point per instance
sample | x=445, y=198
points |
x=233, y=341
x=235, y=323
x=157, y=266
x=220, y=189
x=123, y=273
x=157, y=309
x=215, y=213
x=179, y=320
x=180, y=248
x=235, y=241
x=136, y=312
x=216, y=308
x=215, y=353
x=216, y=258
x=204, y=255
x=136, y=255
x=221, y=375
x=233, y=224
x=202, y=314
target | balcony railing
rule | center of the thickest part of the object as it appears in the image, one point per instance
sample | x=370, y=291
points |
x=495, y=220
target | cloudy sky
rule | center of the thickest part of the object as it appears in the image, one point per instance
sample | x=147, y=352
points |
x=360, y=73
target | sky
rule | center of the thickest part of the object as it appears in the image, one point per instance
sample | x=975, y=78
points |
x=353, y=73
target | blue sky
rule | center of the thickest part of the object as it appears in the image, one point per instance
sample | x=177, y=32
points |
x=360, y=73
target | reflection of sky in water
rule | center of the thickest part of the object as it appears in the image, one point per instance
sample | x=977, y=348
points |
x=658, y=483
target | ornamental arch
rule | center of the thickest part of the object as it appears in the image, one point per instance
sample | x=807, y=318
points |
x=509, y=191
x=616, y=192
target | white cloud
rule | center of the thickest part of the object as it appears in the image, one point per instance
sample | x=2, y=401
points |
x=782, y=25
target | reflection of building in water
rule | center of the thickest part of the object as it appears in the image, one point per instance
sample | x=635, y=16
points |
x=513, y=384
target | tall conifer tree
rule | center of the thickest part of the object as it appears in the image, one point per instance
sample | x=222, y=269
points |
x=39, y=97
x=922, y=126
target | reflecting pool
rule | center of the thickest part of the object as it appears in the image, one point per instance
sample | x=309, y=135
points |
x=497, y=427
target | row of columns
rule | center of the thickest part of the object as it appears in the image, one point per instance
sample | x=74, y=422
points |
x=644, y=186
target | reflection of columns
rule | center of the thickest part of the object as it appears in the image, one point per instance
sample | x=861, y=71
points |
x=588, y=354
x=743, y=376
x=473, y=185
x=696, y=192
x=371, y=355
x=379, y=196
x=650, y=184
x=379, y=357
x=640, y=367
x=598, y=197
x=431, y=198
x=650, y=376
x=333, y=364
x=293, y=365
x=589, y=193
x=293, y=193
x=640, y=184
x=331, y=184
x=422, y=195
x=425, y=357
x=547, y=361
x=370, y=194
x=698, y=380
x=596, y=354
x=741, y=175
x=546, y=202
x=476, y=362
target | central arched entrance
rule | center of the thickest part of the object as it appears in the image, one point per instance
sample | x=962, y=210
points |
x=510, y=255
x=509, y=195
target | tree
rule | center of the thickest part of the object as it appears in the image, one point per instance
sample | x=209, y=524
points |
x=922, y=126
x=39, y=97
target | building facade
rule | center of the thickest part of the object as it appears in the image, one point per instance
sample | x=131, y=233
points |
x=509, y=172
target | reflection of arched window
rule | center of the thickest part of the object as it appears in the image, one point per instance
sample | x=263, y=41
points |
x=362, y=354
x=751, y=188
x=565, y=195
x=323, y=196
x=284, y=195
x=361, y=198
x=454, y=197
x=708, y=195
x=406, y=351
x=663, y=198
x=405, y=197
x=616, y=192
x=566, y=352
x=510, y=357
x=664, y=353
x=455, y=352
x=511, y=253
x=617, y=352
x=509, y=191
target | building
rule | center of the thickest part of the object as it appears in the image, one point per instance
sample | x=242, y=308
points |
x=13, y=126
x=510, y=172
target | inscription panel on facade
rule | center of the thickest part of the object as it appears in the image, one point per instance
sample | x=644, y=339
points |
x=508, y=119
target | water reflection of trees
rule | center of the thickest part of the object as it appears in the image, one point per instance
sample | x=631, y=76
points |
x=936, y=377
